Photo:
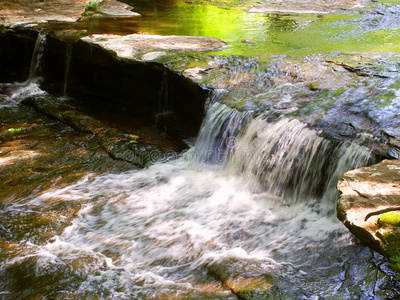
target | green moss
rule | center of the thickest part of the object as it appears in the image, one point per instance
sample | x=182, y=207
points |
x=391, y=240
x=395, y=263
x=314, y=86
x=180, y=62
x=390, y=1
x=390, y=218
x=92, y=6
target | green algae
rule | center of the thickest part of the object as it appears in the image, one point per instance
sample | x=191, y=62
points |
x=259, y=34
x=390, y=218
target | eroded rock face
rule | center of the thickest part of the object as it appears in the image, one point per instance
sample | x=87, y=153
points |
x=369, y=205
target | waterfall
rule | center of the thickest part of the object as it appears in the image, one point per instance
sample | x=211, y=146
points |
x=68, y=55
x=37, y=59
x=284, y=158
x=177, y=230
x=217, y=136
x=31, y=85
x=292, y=161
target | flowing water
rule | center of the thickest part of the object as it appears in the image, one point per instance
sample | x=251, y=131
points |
x=177, y=230
x=68, y=54
x=257, y=34
x=20, y=90
x=247, y=213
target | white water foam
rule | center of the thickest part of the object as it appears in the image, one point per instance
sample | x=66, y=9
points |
x=161, y=229
x=155, y=228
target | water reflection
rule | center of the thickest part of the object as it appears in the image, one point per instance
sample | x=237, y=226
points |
x=180, y=18
x=265, y=34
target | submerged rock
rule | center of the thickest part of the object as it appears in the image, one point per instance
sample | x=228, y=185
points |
x=369, y=206
x=304, y=7
x=245, y=278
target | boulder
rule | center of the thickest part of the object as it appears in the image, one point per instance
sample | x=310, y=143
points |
x=369, y=206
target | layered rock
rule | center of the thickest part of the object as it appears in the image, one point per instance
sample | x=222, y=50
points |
x=369, y=206
x=130, y=46
x=25, y=11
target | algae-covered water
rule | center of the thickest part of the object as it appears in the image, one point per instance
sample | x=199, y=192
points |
x=374, y=29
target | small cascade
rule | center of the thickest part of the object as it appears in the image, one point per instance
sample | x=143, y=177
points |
x=175, y=229
x=68, y=55
x=163, y=103
x=164, y=111
x=37, y=59
x=291, y=161
x=31, y=85
x=218, y=133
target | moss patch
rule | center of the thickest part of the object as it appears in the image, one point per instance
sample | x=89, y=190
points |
x=389, y=218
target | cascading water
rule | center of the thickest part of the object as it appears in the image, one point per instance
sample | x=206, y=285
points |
x=68, y=55
x=220, y=128
x=37, y=57
x=179, y=230
x=291, y=161
x=32, y=85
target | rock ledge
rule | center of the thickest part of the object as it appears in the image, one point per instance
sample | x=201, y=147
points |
x=369, y=205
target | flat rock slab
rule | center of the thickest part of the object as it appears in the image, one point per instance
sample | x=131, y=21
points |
x=28, y=11
x=304, y=7
x=113, y=8
x=367, y=194
x=133, y=45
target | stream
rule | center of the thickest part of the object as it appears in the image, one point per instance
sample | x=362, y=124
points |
x=222, y=220
x=247, y=211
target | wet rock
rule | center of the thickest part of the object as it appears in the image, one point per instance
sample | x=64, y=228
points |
x=10, y=158
x=369, y=206
x=117, y=144
x=245, y=278
x=249, y=42
x=143, y=90
x=129, y=46
x=151, y=56
x=197, y=74
x=25, y=11
x=303, y=7
x=42, y=152
x=314, y=86
x=113, y=8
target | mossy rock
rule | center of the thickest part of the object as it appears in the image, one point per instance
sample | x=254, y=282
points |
x=391, y=218
x=314, y=86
